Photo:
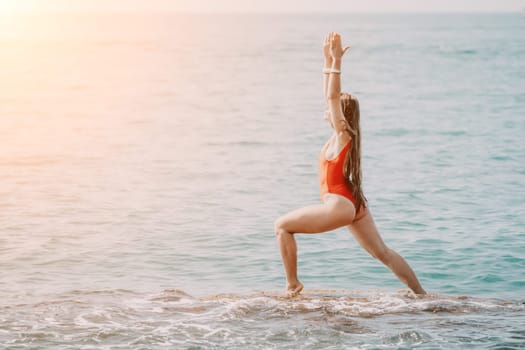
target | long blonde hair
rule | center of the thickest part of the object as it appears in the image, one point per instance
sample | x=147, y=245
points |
x=352, y=165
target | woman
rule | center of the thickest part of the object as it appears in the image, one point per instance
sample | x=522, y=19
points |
x=340, y=175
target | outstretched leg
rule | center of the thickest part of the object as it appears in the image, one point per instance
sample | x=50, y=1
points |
x=365, y=232
x=310, y=219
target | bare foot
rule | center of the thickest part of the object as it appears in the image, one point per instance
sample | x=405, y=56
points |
x=293, y=290
x=413, y=295
x=420, y=293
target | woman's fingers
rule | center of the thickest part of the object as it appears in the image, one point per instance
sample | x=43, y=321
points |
x=333, y=40
x=327, y=40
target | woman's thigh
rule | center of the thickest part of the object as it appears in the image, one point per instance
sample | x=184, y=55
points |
x=366, y=233
x=317, y=218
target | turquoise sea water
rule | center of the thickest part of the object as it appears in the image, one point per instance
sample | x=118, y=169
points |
x=145, y=158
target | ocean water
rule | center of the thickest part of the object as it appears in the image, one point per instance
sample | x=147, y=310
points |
x=145, y=158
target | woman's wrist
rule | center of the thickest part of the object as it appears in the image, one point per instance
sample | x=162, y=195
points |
x=336, y=63
x=328, y=63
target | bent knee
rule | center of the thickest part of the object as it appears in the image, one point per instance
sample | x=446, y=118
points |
x=278, y=226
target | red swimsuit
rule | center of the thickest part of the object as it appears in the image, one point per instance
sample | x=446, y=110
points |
x=332, y=179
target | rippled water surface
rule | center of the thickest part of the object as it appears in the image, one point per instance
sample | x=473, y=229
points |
x=145, y=158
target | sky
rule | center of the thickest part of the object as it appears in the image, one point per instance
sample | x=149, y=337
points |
x=13, y=6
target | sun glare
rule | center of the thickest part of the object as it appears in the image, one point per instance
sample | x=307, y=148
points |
x=8, y=7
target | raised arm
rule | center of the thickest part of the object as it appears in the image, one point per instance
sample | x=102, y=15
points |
x=333, y=94
x=327, y=64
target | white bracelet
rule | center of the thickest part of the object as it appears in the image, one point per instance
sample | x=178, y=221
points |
x=331, y=70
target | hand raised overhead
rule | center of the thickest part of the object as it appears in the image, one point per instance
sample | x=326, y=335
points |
x=335, y=47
